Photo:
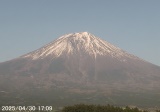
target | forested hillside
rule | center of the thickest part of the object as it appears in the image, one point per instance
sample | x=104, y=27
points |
x=100, y=108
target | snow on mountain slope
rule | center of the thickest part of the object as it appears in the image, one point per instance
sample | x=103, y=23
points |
x=75, y=42
x=76, y=67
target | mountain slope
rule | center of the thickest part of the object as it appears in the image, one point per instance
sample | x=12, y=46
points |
x=82, y=68
x=74, y=43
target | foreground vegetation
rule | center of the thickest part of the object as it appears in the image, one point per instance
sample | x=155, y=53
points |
x=100, y=108
x=93, y=108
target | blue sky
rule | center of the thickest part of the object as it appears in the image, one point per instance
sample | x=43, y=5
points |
x=133, y=25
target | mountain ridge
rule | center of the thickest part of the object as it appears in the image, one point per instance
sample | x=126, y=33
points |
x=91, y=44
x=79, y=67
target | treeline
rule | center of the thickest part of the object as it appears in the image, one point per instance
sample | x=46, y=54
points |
x=100, y=108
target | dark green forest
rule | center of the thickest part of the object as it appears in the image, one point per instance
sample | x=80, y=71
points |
x=92, y=108
x=101, y=108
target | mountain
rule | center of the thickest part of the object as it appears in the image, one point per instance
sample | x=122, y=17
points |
x=79, y=68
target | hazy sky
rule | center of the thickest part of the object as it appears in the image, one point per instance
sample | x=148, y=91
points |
x=133, y=25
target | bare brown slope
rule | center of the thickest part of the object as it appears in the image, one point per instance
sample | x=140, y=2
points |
x=82, y=68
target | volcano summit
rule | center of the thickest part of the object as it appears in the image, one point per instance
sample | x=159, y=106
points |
x=74, y=43
x=79, y=68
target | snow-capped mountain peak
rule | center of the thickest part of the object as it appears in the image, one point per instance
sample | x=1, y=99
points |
x=77, y=42
x=82, y=65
